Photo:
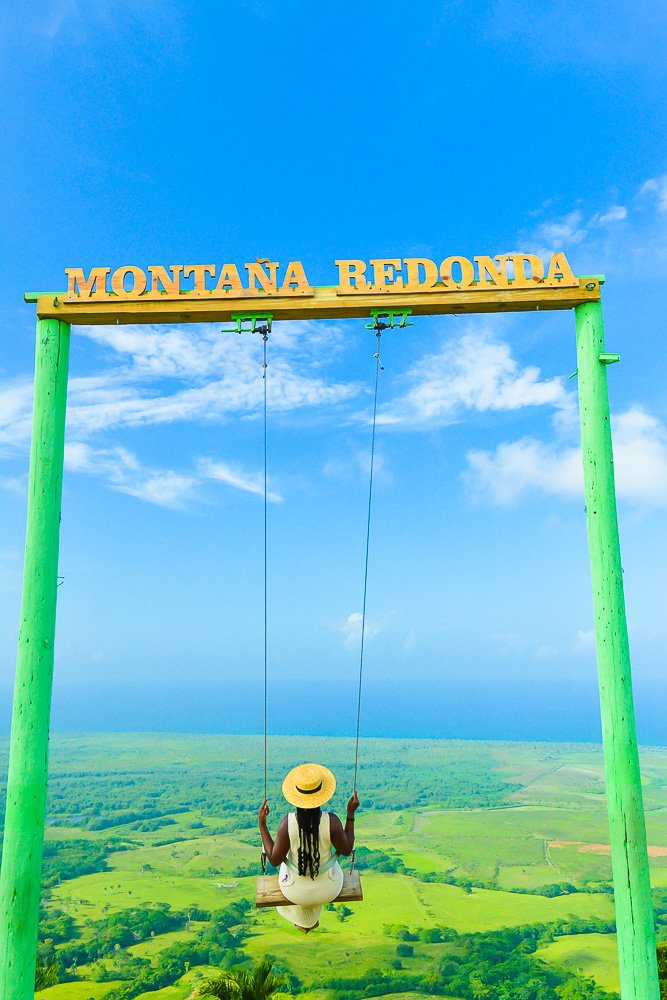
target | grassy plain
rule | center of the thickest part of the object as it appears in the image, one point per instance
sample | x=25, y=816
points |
x=179, y=814
x=593, y=955
x=360, y=942
x=77, y=991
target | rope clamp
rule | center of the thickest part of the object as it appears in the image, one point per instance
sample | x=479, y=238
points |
x=250, y=323
x=394, y=319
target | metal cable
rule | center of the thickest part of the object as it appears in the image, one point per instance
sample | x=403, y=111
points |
x=378, y=369
x=264, y=367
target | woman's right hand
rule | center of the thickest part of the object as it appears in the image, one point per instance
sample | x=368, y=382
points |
x=263, y=813
x=353, y=804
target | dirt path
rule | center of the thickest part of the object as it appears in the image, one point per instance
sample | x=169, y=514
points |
x=582, y=848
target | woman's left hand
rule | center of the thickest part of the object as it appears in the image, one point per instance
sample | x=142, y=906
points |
x=263, y=813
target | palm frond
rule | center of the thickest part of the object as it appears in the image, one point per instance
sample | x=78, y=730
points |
x=240, y=984
x=219, y=987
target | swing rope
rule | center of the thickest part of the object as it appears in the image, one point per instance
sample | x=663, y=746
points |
x=378, y=368
x=378, y=326
x=265, y=337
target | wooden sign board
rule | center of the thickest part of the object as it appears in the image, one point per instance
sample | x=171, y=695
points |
x=201, y=292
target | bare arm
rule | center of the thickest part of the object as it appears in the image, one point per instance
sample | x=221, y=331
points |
x=343, y=838
x=276, y=851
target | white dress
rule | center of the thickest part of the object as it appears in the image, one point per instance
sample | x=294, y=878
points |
x=306, y=893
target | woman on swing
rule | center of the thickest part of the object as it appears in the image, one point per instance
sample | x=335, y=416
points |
x=309, y=871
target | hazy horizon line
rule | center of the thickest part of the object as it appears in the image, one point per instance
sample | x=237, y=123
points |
x=4, y=737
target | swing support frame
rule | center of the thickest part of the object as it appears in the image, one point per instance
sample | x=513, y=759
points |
x=27, y=779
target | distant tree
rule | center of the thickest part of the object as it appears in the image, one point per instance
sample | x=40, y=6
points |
x=57, y=925
x=579, y=989
x=239, y=984
x=431, y=935
x=400, y=931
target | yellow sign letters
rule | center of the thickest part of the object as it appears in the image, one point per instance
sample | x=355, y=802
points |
x=265, y=278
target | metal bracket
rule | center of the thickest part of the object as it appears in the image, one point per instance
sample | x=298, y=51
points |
x=592, y=280
x=263, y=863
x=250, y=323
x=609, y=359
x=393, y=319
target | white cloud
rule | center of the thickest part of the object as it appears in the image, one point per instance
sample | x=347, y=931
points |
x=15, y=484
x=618, y=239
x=616, y=213
x=220, y=372
x=81, y=457
x=162, y=375
x=164, y=352
x=519, y=467
x=15, y=412
x=563, y=232
x=124, y=472
x=351, y=630
x=252, y=483
x=354, y=465
x=166, y=489
x=201, y=350
x=640, y=457
x=656, y=189
x=474, y=372
x=571, y=230
x=96, y=406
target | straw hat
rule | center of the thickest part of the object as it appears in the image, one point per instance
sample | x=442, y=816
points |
x=309, y=786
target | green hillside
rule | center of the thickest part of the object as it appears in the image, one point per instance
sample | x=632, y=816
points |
x=475, y=857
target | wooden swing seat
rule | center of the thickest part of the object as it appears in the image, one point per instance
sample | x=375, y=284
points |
x=269, y=894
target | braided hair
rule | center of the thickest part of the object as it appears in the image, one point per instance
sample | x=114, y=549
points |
x=309, y=841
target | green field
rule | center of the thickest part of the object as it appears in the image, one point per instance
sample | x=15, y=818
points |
x=592, y=955
x=77, y=991
x=464, y=836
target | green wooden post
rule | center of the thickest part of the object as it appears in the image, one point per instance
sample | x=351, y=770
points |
x=627, y=829
x=29, y=743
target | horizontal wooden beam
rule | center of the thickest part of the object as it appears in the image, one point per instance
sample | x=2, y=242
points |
x=325, y=303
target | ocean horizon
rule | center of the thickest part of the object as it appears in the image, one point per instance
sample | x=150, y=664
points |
x=504, y=710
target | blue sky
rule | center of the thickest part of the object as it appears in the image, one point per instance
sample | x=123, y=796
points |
x=164, y=133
